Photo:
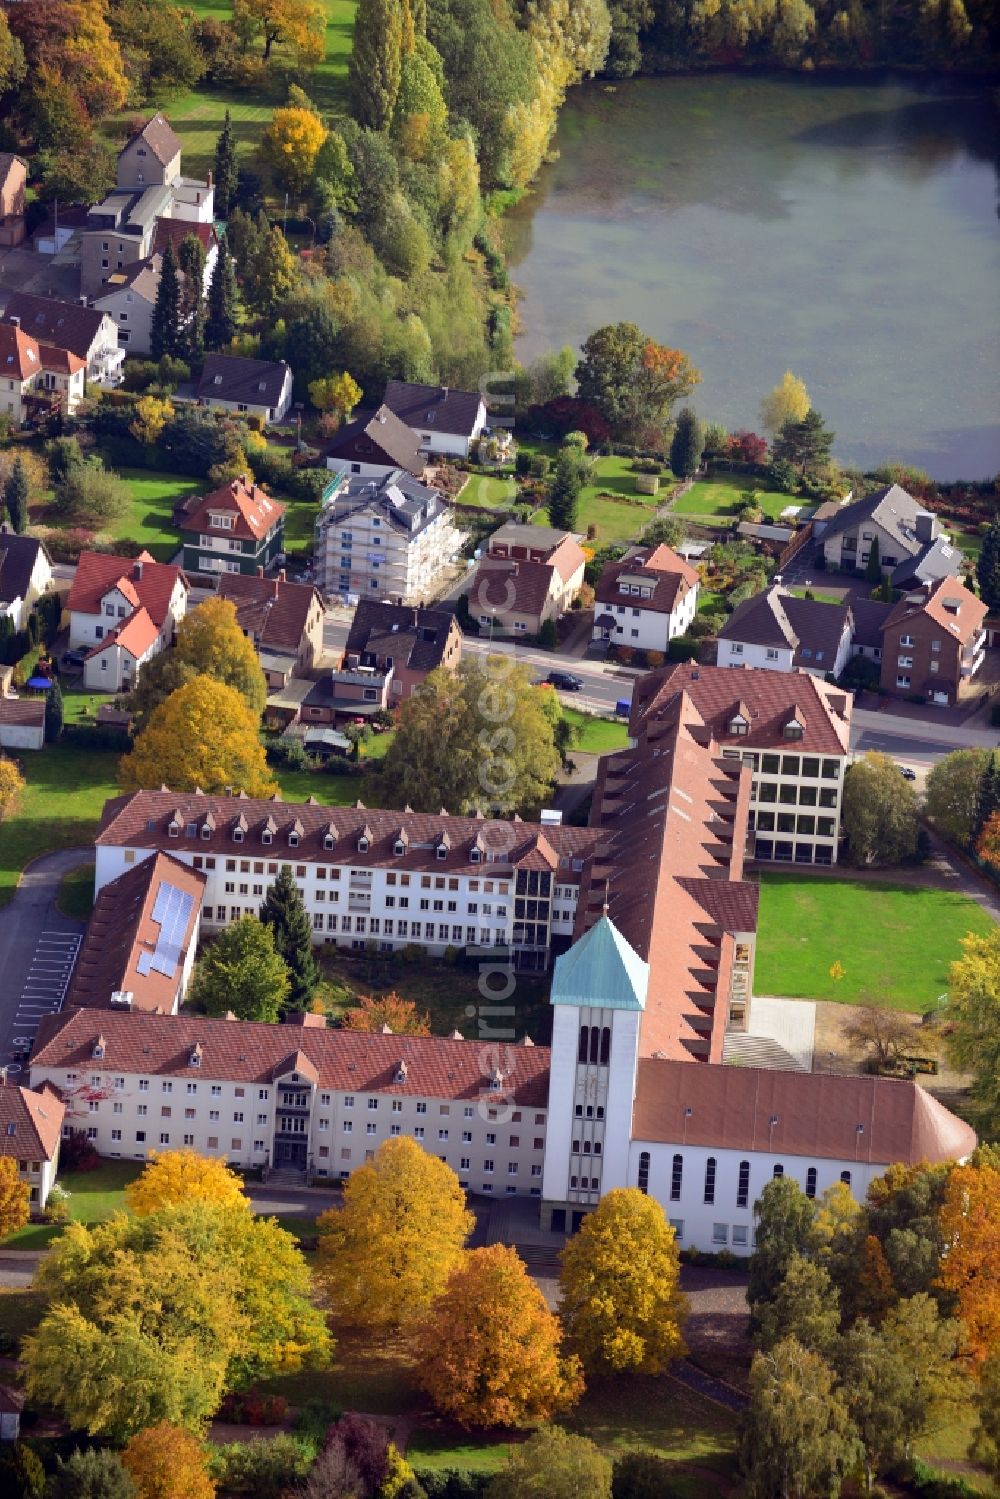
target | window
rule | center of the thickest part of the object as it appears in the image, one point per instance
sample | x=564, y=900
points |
x=811, y=1182
x=720, y=1233
x=348, y=1126
x=710, y=1179
x=779, y=1170
x=743, y=1185
x=845, y=1177
x=643, y=1179
x=676, y=1178
x=740, y=1235
x=373, y=1103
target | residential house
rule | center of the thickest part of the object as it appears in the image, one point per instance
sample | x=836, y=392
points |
x=934, y=642
x=37, y=378
x=413, y=642
x=237, y=528
x=374, y=445
x=31, y=1123
x=249, y=387
x=447, y=422
x=792, y=729
x=646, y=599
x=780, y=632
x=123, y=612
x=126, y=227
x=174, y=231
x=530, y=574
x=284, y=620
x=907, y=534
x=139, y=947
x=11, y=1406
x=25, y=573
x=868, y=617
x=22, y=722
x=391, y=538
x=13, y=176
x=130, y=298
x=87, y=332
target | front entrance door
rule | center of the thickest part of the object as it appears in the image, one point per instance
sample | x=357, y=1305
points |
x=290, y=1153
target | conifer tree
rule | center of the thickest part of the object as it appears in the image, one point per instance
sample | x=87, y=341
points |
x=165, y=333
x=376, y=62
x=564, y=493
x=284, y=912
x=687, y=444
x=15, y=495
x=988, y=567
x=53, y=713
x=191, y=258
x=220, y=325
x=873, y=567
x=226, y=170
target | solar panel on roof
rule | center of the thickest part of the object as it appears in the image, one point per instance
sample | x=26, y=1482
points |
x=172, y=909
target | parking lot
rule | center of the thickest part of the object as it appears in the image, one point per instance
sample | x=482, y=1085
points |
x=44, y=987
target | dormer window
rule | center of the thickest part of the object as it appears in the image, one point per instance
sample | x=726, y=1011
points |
x=441, y=852
x=793, y=729
x=363, y=845
x=399, y=848
x=267, y=836
x=293, y=840
x=401, y=1073
x=237, y=835
x=328, y=840
x=174, y=830
x=99, y=1046
x=194, y=1060
x=217, y=380
x=739, y=725
x=475, y=855
x=206, y=833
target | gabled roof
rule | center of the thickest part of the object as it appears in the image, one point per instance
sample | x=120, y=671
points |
x=962, y=621
x=272, y=610
x=254, y=382
x=23, y=712
x=511, y=587
x=20, y=358
x=542, y=539
x=135, y=634
x=937, y=559
x=18, y=557
x=602, y=970
x=141, y=278
x=891, y=508
x=433, y=408
x=812, y=630
x=30, y=1122
x=173, y=231
x=662, y=570
x=827, y=1116
x=869, y=616
x=378, y=437
x=254, y=511
x=8, y=161
x=414, y=638
x=142, y=581
x=66, y=325
x=158, y=137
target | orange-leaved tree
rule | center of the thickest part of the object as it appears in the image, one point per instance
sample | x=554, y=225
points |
x=15, y=1196
x=167, y=1462
x=175, y=1177
x=988, y=844
x=373, y=1012
x=386, y=1255
x=970, y=1227
x=489, y=1352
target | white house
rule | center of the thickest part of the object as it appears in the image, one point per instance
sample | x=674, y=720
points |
x=25, y=573
x=123, y=612
x=248, y=387
x=645, y=600
x=130, y=298
x=447, y=422
x=776, y=631
x=22, y=723
x=31, y=1122
x=37, y=378
x=373, y=445
x=86, y=332
x=391, y=539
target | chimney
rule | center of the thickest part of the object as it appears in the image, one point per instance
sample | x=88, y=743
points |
x=260, y=572
x=209, y=178
x=281, y=576
x=444, y=392
x=416, y=616
x=925, y=525
x=242, y=480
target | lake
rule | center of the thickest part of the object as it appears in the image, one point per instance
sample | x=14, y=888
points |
x=844, y=230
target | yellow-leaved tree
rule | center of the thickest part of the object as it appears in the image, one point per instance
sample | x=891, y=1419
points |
x=290, y=145
x=386, y=1255
x=787, y=402
x=970, y=1228
x=167, y=1462
x=11, y=785
x=622, y=1305
x=340, y=393
x=489, y=1352
x=174, y=1177
x=210, y=643
x=15, y=1196
x=201, y=735
x=151, y=416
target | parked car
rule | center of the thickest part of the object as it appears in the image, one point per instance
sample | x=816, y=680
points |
x=565, y=681
x=70, y=659
x=907, y=773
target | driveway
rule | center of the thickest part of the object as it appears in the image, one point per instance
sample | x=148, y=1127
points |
x=38, y=947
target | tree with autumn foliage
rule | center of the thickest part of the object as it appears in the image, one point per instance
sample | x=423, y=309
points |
x=788, y=401
x=203, y=735
x=339, y=393
x=167, y=1462
x=489, y=1351
x=633, y=381
x=290, y=144
x=209, y=643
x=15, y=1198
x=988, y=843
x=299, y=25
x=972, y=1035
x=11, y=785
x=385, y=1257
x=379, y=1012
x=970, y=1228
x=621, y=1301
x=173, y=1177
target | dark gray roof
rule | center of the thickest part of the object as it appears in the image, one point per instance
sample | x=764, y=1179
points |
x=936, y=559
x=256, y=382
x=437, y=408
x=415, y=638
x=159, y=137
x=66, y=325
x=408, y=506
x=383, y=432
x=18, y=555
x=869, y=617
x=891, y=508
x=812, y=629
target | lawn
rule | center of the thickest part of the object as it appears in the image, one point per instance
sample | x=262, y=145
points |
x=817, y=597
x=66, y=790
x=365, y=1375
x=717, y=498
x=93, y=1196
x=615, y=519
x=76, y=892
x=598, y=736
x=79, y=705
x=895, y=942
x=149, y=519
x=488, y=491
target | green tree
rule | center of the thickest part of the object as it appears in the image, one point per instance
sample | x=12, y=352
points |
x=21, y=1473
x=988, y=566
x=82, y=173
x=879, y=812
x=986, y=1443
x=628, y=19
x=973, y=1038
x=797, y=1440
x=376, y=62
x=91, y=1473
x=476, y=738
x=564, y=491
x=285, y=915
x=805, y=444
x=241, y=971
x=953, y=793
x=783, y=1217
x=555, y=1464
x=91, y=495
x=270, y=276
x=15, y=496
x=687, y=444
x=220, y=324
x=873, y=567
x=166, y=334
x=988, y=801
x=643, y=1475
x=904, y=1208
x=53, y=713
x=806, y=1306
x=633, y=380
x=226, y=170
x=191, y=261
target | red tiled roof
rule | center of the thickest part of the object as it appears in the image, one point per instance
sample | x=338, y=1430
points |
x=254, y=510
x=962, y=623
x=121, y=928
x=135, y=634
x=174, y=231
x=250, y=1051
x=568, y=558
x=61, y=361
x=667, y=573
x=20, y=358
x=818, y=1114
x=142, y=581
x=30, y=1122
x=273, y=611
x=770, y=697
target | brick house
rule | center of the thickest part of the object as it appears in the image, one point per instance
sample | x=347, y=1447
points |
x=933, y=642
x=530, y=574
x=235, y=529
x=645, y=600
x=284, y=620
x=414, y=642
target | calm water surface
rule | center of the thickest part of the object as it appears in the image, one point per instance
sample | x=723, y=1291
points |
x=848, y=232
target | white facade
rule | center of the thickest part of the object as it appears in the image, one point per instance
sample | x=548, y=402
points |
x=88, y=629
x=267, y=413
x=365, y=554
x=19, y=608
x=116, y=668
x=22, y=736
x=782, y=658
x=451, y=444
x=133, y=315
x=640, y=627
x=795, y=803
